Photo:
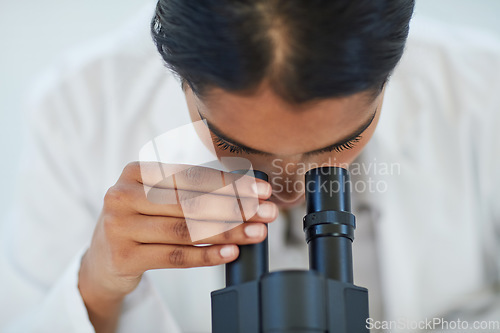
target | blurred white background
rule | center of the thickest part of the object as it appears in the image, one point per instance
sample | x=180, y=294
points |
x=34, y=33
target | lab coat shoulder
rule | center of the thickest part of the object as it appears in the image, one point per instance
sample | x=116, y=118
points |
x=464, y=78
x=103, y=83
x=451, y=74
x=457, y=67
x=439, y=125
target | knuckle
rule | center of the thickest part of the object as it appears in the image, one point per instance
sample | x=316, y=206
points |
x=132, y=169
x=206, y=258
x=114, y=227
x=195, y=175
x=177, y=257
x=120, y=256
x=117, y=196
x=180, y=230
x=227, y=235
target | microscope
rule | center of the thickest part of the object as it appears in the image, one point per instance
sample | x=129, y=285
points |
x=322, y=299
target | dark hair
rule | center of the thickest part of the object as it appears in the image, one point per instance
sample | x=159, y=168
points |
x=306, y=49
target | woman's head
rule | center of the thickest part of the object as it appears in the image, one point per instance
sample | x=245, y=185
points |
x=305, y=49
x=284, y=77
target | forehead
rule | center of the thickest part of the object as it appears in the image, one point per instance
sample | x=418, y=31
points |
x=265, y=122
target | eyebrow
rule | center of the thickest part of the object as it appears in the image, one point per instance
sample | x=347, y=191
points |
x=250, y=150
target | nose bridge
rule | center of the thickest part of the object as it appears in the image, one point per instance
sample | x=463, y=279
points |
x=288, y=165
x=288, y=170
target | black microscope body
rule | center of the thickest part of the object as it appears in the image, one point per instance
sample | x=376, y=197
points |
x=322, y=299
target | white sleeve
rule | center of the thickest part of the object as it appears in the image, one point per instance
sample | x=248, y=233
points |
x=493, y=152
x=62, y=309
x=484, y=141
x=53, y=219
x=488, y=145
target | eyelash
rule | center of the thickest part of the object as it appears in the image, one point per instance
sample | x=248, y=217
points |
x=345, y=146
x=224, y=145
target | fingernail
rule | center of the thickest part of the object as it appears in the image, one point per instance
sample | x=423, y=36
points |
x=255, y=230
x=227, y=251
x=261, y=189
x=266, y=210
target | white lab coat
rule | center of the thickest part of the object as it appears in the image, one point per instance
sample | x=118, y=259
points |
x=425, y=247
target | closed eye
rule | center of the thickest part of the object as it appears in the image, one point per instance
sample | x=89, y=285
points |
x=338, y=148
x=224, y=145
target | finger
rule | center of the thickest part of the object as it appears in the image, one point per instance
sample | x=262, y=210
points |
x=170, y=230
x=159, y=256
x=201, y=206
x=197, y=178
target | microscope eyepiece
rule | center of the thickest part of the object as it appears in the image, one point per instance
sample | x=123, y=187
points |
x=328, y=188
x=329, y=225
x=321, y=299
x=253, y=260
